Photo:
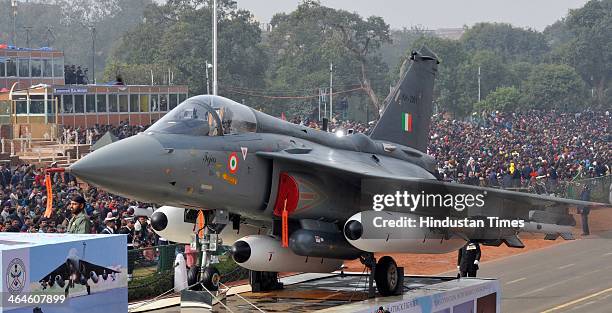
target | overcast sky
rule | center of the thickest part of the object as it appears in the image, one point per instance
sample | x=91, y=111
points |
x=433, y=14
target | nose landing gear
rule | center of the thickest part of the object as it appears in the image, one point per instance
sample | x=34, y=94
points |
x=204, y=277
x=211, y=278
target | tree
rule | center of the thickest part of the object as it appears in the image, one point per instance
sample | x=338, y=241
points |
x=172, y=35
x=557, y=33
x=502, y=99
x=554, y=86
x=456, y=86
x=451, y=54
x=494, y=73
x=64, y=25
x=141, y=44
x=86, y=12
x=392, y=53
x=508, y=42
x=361, y=37
x=518, y=71
x=590, y=49
x=302, y=44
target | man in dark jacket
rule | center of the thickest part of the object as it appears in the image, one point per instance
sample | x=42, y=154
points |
x=128, y=230
x=5, y=176
x=468, y=259
x=585, y=195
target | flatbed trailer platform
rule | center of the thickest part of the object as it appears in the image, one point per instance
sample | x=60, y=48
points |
x=348, y=292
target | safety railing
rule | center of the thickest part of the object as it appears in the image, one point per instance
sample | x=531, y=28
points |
x=13, y=146
x=569, y=189
x=599, y=188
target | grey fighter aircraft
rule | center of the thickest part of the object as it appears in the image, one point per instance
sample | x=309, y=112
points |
x=303, y=200
x=76, y=270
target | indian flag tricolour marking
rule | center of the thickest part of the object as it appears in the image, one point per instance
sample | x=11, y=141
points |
x=407, y=122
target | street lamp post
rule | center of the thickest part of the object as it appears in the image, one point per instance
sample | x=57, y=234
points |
x=215, y=87
x=331, y=94
x=319, y=105
x=14, y=35
x=93, y=53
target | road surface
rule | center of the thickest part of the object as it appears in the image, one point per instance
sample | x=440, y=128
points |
x=575, y=276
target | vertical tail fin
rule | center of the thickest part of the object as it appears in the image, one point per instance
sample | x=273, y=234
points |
x=407, y=114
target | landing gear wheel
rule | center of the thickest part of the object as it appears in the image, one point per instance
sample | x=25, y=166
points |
x=192, y=275
x=211, y=278
x=386, y=276
x=88, y=289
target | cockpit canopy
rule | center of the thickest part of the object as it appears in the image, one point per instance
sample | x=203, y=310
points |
x=207, y=116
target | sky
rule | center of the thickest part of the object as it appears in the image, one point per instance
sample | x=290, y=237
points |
x=434, y=14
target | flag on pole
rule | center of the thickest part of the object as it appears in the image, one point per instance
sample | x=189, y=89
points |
x=407, y=122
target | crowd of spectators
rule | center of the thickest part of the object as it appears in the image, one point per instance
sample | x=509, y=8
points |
x=91, y=134
x=512, y=150
x=515, y=149
x=23, y=199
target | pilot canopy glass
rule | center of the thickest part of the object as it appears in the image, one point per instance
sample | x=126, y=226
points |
x=207, y=116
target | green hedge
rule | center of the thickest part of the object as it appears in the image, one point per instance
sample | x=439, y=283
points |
x=146, y=287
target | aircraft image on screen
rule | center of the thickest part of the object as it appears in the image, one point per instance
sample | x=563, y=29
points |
x=76, y=271
x=289, y=198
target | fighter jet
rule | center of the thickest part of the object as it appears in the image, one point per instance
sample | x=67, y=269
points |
x=305, y=200
x=76, y=270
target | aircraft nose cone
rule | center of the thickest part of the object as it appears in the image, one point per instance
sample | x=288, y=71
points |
x=241, y=251
x=159, y=221
x=130, y=167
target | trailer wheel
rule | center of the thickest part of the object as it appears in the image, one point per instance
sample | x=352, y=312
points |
x=386, y=276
